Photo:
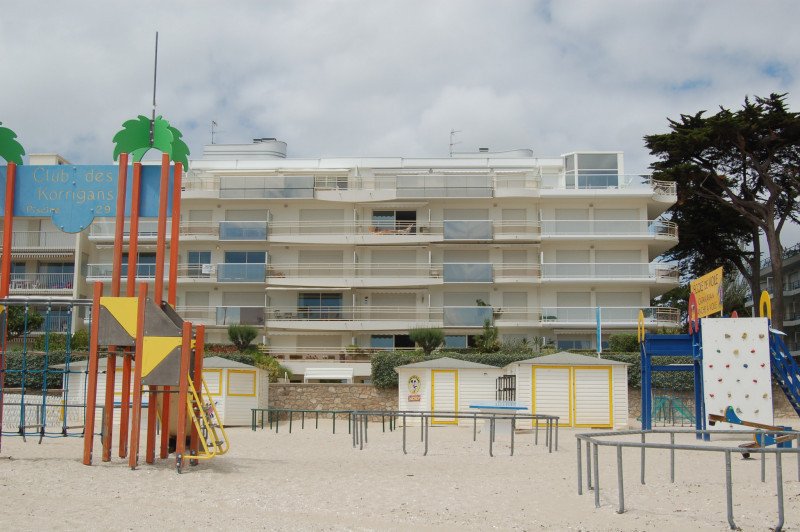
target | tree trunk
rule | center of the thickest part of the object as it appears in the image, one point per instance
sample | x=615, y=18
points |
x=776, y=260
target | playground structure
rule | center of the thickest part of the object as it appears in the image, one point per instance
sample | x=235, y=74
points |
x=161, y=354
x=734, y=361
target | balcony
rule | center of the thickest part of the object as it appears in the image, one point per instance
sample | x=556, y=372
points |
x=41, y=283
x=240, y=315
x=610, y=316
x=241, y=273
x=104, y=230
x=41, y=241
x=557, y=229
x=467, y=273
x=654, y=272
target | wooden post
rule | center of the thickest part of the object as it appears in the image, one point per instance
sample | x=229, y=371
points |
x=5, y=271
x=91, y=383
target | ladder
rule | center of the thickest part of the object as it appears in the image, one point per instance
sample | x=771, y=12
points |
x=785, y=370
x=213, y=439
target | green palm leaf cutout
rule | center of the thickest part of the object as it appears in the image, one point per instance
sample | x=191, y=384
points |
x=134, y=139
x=180, y=150
x=10, y=150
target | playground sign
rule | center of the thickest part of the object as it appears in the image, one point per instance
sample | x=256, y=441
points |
x=74, y=195
x=708, y=290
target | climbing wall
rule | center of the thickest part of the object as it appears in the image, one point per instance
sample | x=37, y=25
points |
x=736, y=369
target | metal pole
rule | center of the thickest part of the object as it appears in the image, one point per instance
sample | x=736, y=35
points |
x=729, y=490
x=426, y=436
x=580, y=480
x=589, y=465
x=513, y=429
x=779, y=475
x=404, y=433
x=620, y=481
x=643, y=461
x=671, y=459
x=596, y=478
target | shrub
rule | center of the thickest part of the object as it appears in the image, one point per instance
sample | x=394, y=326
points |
x=18, y=323
x=271, y=366
x=241, y=336
x=427, y=339
x=624, y=343
x=486, y=342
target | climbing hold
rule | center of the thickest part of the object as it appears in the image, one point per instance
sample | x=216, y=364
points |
x=761, y=335
x=719, y=380
x=711, y=395
x=745, y=365
x=718, y=351
x=756, y=411
x=711, y=365
x=747, y=396
x=727, y=335
x=744, y=336
x=738, y=410
x=762, y=365
x=729, y=394
x=755, y=380
x=727, y=365
x=735, y=351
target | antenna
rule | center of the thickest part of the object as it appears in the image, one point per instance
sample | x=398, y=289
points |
x=452, y=134
x=213, y=125
x=155, y=72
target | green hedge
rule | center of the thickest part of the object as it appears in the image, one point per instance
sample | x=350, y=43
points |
x=384, y=375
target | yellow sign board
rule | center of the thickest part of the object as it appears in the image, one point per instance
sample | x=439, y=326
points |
x=708, y=290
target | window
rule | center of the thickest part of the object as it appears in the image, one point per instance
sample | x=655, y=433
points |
x=319, y=306
x=391, y=342
x=394, y=222
x=196, y=261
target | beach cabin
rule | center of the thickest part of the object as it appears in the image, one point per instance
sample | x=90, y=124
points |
x=583, y=391
x=445, y=385
x=235, y=387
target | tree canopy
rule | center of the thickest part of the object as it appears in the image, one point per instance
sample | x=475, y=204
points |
x=737, y=176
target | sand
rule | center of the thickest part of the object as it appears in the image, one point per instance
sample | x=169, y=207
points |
x=312, y=479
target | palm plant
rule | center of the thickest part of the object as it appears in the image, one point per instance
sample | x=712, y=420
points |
x=135, y=139
x=10, y=150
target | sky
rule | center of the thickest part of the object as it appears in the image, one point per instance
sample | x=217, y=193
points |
x=388, y=78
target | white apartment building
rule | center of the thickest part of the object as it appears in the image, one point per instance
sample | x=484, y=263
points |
x=333, y=257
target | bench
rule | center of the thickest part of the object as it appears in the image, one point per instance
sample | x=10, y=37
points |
x=328, y=373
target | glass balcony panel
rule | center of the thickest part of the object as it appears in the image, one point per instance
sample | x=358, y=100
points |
x=243, y=230
x=240, y=315
x=467, y=316
x=241, y=273
x=467, y=273
x=467, y=229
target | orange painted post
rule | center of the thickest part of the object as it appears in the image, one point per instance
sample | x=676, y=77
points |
x=136, y=422
x=172, y=290
x=5, y=270
x=161, y=245
x=116, y=274
x=8, y=231
x=197, y=378
x=130, y=291
x=91, y=384
x=183, y=390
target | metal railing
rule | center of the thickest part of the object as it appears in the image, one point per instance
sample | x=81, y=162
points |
x=40, y=282
x=659, y=271
x=105, y=228
x=594, y=441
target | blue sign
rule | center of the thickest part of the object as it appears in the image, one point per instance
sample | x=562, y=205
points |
x=74, y=195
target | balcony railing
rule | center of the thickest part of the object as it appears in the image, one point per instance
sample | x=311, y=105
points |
x=450, y=316
x=105, y=229
x=416, y=184
x=579, y=228
x=40, y=282
x=41, y=240
x=595, y=270
x=256, y=230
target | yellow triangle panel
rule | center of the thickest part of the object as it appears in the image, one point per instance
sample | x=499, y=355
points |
x=125, y=310
x=156, y=349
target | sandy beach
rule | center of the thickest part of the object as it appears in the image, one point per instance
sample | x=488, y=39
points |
x=312, y=479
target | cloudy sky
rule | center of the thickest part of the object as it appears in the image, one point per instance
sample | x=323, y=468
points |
x=387, y=78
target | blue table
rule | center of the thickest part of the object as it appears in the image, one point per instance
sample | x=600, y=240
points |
x=502, y=425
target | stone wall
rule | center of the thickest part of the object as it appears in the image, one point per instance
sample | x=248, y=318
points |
x=312, y=396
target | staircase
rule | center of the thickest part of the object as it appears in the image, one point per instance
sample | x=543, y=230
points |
x=204, y=417
x=785, y=370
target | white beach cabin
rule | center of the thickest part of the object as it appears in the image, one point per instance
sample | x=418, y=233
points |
x=445, y=385
x=584, y=391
